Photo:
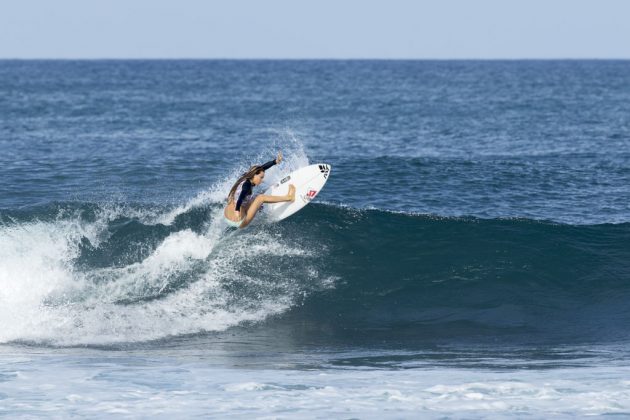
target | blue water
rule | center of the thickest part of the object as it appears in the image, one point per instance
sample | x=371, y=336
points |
x=468, y=257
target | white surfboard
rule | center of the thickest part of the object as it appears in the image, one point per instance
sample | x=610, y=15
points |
x=308, y=182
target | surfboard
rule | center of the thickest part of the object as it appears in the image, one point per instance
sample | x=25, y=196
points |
x=308, y=182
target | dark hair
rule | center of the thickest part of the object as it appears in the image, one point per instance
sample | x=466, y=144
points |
x=254, y=170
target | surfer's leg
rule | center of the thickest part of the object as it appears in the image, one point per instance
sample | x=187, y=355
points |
x=261, y=199
x=291, y=194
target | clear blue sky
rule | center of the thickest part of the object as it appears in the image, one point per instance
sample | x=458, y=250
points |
x=315, y=29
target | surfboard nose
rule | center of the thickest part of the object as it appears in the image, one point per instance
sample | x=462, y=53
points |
x=308, y=182
x=324, y=168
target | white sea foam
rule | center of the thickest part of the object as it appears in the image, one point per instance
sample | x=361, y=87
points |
x=76, y=385
x=45, y=298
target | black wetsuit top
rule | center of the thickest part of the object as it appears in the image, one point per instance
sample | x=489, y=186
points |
x=248, y=187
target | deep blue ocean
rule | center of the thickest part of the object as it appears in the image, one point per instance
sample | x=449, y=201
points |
x=469, y=256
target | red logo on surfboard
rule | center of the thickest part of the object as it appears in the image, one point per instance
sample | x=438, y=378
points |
x=309, y=195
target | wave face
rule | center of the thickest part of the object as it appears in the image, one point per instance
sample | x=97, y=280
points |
x=416, y=278
x=79, y=274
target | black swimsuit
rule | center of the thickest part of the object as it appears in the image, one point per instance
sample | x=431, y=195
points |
x=247, y=188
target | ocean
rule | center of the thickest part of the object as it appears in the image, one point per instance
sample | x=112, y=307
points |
x=469, y=256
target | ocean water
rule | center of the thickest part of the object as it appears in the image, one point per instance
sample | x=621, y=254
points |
x=469, y=256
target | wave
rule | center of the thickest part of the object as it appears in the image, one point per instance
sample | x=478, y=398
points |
x=422, y=278
x=89, y=274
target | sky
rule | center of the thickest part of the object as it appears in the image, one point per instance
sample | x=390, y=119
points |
x=296, y=29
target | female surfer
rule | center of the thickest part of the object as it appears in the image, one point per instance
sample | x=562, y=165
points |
x=242, y=205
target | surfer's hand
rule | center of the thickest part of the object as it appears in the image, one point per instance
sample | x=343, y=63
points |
x=238, y=214
x=279, y=158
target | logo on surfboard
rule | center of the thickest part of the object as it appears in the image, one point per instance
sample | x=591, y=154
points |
x=324, y=169
x=309, y=195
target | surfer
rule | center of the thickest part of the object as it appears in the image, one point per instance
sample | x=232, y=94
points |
x=242, y=204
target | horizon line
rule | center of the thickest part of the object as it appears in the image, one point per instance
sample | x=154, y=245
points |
x=313, y=59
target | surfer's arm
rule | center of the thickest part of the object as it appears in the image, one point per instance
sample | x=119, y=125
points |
x=268, y=165
x=245, y=191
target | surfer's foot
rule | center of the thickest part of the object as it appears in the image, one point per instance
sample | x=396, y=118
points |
x=291, y=195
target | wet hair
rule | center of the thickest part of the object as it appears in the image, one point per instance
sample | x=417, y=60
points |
x=254, y=170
